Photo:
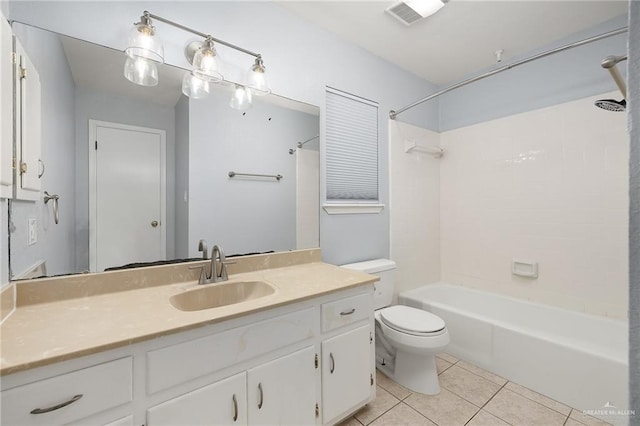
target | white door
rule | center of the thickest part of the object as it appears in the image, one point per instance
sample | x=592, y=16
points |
x=282, y=392
x=221, y=403
x=346, y=372
x=126, y=196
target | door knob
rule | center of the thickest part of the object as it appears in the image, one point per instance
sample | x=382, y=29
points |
x=154, y=223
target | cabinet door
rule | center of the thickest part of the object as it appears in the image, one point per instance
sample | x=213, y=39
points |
x=221, y=403
x=346, y=372
x=28, y=132
x=6, y=109
x=283, y=391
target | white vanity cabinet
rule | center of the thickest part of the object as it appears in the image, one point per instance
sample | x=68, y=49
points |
x=282, y=392
x=28, y=131
x=69, y=397
x=279, y=366
x=6, y=109
x=221, y=403
x=347, y=381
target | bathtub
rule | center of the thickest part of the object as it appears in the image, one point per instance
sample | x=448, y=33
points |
x=578, y=359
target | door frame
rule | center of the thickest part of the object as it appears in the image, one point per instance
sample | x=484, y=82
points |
x=93, y=184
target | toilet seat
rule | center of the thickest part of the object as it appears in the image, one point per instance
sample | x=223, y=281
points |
x=406, y=319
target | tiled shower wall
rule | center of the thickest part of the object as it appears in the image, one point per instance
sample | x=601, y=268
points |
x=548, y=186
x=415, y=207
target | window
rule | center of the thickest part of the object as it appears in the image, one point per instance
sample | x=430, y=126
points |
x=351, y=148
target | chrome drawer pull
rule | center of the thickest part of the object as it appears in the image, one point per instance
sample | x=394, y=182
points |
x=261, y=396
x=235, y=408
x=349, y=312
x=333, y=363
x=56, y=407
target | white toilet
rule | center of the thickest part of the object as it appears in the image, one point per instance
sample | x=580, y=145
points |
x=407, y=339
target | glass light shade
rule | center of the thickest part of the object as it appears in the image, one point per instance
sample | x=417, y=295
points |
x=241, y=99
x=141, y=71
x=257, y=79
x=206, y=64
x=144, y=43
x=194, y=87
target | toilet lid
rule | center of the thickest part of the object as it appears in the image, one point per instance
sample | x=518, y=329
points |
x=412, y=320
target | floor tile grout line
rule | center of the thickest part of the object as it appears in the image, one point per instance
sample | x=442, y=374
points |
x=465, y=399
x=545, y=406
x=420, y=413
x=567, y=419
x=446, y=369
x=489, y=400
x=465, y=369
x=518, y=393
x=501, y=419
x=383, y=413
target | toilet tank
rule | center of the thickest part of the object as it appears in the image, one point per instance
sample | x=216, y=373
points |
x=383, y=268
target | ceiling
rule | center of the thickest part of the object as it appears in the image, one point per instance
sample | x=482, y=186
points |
x=463, y=36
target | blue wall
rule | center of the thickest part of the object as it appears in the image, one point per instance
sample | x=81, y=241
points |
x=559, y=78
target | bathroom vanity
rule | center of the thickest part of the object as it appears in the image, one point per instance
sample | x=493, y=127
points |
x=303, y=354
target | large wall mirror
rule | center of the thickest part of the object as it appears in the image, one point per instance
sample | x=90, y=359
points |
x=143, y=173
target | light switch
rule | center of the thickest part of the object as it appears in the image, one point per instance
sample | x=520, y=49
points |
x=33, y=231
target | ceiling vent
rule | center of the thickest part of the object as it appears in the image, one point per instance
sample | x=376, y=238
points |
x=411, y=11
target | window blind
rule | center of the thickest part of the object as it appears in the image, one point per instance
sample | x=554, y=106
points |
x=351, y=147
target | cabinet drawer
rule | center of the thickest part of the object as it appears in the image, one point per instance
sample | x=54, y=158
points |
x=101, y=387
x=170, y=366
x=346, y=311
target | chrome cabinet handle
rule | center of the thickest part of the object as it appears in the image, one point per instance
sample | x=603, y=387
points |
x=349, y=312
x=56, y=407
x=235, y=407
x=154, y=223
x=332, y=365
x=42, y=172
x=261, y=396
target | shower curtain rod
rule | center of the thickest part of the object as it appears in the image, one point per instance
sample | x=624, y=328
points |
x=393, y=114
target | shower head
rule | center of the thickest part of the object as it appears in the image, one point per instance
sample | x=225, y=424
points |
x=611, y=105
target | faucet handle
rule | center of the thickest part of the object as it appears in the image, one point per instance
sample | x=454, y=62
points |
x=203, y=273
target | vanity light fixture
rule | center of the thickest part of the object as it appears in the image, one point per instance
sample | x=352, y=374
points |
x=145, y=49
x=257, y=79
x=241, y=99
x=205, y=62
x=195, y=87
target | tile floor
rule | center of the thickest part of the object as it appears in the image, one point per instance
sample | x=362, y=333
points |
x=469, y=396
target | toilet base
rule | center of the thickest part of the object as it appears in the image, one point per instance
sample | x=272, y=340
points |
x=417, y=373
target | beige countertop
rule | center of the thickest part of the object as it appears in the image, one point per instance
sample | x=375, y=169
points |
x=42, y=333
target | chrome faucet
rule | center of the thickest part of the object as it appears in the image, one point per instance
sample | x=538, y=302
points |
x=216, y=277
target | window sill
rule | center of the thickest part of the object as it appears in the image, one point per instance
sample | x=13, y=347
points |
x=353, y=208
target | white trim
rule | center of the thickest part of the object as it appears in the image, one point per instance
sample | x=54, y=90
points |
x=353, y=208
x=93, y=242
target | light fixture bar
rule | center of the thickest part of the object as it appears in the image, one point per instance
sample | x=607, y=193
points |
x=199, y=33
